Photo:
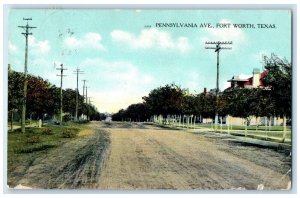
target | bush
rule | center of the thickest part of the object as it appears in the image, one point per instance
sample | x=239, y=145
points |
x=69, y=133
x=66, y=117
x=33, y=139
x=82, y=121
x=47, y=131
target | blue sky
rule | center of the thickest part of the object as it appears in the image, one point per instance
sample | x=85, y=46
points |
x=123, y=60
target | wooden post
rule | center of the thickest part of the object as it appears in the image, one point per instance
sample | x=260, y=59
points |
x=266, y=124
x=284, y=128
x=221, y=117
x=270, y=124
x=246, y=127
x=256, y=123
x=228, y=123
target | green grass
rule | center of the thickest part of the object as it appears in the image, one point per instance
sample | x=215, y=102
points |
x=234, y=127
x=253, y=128
x=272, y=134
x=24, y=148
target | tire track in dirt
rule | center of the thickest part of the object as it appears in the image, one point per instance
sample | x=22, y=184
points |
x=76, y=164
x=168, y=159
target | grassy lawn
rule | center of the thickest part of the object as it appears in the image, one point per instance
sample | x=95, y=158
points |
x=23, y=148
x=234, y=127
x=275, y=133
x=250, y=128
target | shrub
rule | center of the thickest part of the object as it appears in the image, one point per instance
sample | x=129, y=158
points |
x=33, y=139
x=69, y=133
x=47, y=131
x=66, y=117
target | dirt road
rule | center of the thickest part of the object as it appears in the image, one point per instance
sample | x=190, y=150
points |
x=142, y=156
x=147, y=157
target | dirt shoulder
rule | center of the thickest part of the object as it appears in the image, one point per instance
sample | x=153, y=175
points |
x=147, y=157
x=75, y=164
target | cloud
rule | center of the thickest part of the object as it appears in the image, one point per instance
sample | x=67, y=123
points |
x=236, y=35
x=260, y=55
x=117, y=71
x=122, y=83
x=38, y=47
x=12, y=48
x=151, y=38
x=89, y=40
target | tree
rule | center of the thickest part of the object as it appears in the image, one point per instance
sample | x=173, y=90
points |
x=135, y=112
x=119, y=116
x=279, y=79
x=42, y=98
x=15, y=94
x=166, y=100
x=189, y=103
x=238, y=104
x=69, y=101
x=205, y=104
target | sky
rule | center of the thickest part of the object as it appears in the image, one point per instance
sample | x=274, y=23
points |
x=124, y=54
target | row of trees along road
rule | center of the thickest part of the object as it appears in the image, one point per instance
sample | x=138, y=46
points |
x=172, y=101
x=43, y=100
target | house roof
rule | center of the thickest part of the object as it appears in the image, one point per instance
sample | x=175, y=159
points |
x=264, y=74
x=237, y=78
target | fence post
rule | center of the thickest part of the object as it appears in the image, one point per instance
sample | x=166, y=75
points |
x=246, y=127
x=284, y=128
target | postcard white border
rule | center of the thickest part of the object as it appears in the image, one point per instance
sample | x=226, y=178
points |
x=3, y=79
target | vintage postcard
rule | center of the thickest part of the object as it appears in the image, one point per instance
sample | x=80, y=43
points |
x=149, y=99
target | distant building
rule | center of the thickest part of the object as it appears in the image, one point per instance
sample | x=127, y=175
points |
x=256, y=81
x=108, y=119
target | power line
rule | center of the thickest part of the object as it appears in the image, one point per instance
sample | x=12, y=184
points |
x=61, y=84
x=26, y=33
x=77, y=72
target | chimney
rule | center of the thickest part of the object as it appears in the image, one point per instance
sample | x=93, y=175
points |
x=256, y=78
x=204, y=91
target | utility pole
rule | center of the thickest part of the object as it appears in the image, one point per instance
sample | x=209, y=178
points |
x=217, y=49
x=86, y=103
x=83, y=96
x=86, y=97
x=77, y=72
x=61, y=95
x=27, y=28
x=83, y=87
x=90, y=100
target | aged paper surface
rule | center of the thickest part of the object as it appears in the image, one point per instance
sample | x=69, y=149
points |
x=149, y=99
